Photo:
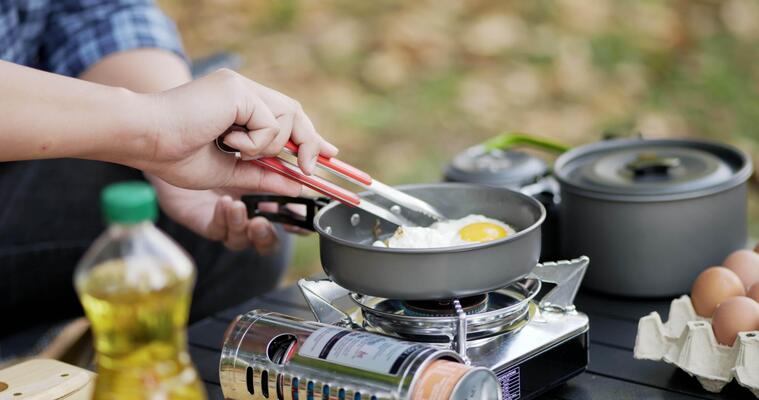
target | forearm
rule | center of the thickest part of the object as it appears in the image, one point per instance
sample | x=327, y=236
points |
x=144, y=71
x=141, y=70
x=43, y=115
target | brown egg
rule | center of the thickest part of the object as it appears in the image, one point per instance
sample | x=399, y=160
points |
x=753, y=292
x=745, y=263
x=713, y=286
x=736, y=314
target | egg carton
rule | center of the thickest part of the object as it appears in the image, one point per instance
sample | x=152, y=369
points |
x=687, y=341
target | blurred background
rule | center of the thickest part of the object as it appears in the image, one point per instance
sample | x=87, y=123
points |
x=401, y=86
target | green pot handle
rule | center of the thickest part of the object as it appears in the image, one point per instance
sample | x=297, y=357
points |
x=510, y=140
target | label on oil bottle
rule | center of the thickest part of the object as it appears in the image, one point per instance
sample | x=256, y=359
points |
x=360, y=350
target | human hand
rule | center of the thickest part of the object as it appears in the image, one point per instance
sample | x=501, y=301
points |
x=189, y=118
x=217, y=215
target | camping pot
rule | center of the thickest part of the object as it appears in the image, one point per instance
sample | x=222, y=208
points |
x=651, y=214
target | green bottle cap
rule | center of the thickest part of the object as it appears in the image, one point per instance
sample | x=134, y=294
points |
x=129, y=202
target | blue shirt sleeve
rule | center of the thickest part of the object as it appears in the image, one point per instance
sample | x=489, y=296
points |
x=79, y=33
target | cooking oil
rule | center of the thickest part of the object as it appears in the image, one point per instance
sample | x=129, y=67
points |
x=135, y=285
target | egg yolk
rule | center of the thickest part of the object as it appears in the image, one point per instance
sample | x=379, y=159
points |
x=482, y=232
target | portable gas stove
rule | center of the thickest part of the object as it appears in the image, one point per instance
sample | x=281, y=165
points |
x=528, y=333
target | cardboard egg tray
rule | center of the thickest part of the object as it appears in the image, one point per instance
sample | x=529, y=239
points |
x=687, y=341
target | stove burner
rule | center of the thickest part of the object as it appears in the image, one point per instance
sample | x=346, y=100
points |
x=501, y=311
x=444, y=308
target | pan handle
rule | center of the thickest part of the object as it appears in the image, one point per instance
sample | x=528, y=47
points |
x=506, y=141
x=547, y=185
x=285, y=215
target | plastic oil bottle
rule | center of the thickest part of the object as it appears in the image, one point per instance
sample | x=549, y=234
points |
x=135, y=284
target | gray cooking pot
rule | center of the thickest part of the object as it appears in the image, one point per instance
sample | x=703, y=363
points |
x=348, y=257
x=651, y=214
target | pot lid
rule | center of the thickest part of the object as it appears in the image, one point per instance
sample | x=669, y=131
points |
x=660, y=168
x=502, y=168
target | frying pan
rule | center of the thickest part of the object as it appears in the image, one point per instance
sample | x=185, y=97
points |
x=346, y=235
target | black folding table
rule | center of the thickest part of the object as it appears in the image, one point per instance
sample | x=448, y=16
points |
x=612, y=374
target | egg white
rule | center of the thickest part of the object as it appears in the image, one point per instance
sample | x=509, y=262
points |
x=439, y=234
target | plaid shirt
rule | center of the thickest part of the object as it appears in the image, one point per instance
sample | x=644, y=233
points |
x=68, y=36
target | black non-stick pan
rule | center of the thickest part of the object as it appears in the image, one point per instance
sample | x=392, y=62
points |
x=346, y=235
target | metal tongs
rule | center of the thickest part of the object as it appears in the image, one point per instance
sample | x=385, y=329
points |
x=411, y=211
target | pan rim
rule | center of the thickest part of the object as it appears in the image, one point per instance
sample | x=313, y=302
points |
x=436, y=250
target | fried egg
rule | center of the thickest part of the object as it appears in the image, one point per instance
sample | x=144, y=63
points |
x=470, y=229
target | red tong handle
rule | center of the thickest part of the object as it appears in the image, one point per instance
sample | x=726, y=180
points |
x=314, y=182
x=335, y=165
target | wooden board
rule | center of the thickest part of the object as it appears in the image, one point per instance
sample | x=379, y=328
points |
x=45, y=379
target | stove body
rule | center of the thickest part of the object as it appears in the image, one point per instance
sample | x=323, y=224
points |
x=545, y=353
x=533, y=342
